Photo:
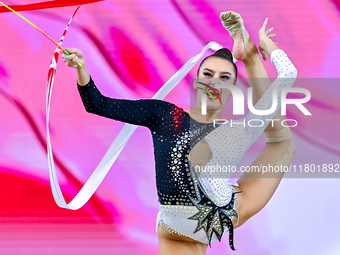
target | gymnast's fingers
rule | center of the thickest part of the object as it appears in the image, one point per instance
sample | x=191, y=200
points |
x=75, y=57
x=269, y=30
x=76, y=51
x=263, y=28
x=70, y=60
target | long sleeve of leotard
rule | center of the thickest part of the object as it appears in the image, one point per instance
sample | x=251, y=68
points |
x=287, y=74
x=143, y=112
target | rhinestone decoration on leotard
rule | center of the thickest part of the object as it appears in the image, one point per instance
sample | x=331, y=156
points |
x=169, y=126
x=213, y=218
x=179, y=157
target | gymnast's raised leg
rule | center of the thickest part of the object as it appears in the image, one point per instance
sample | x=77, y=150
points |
x=258, y=188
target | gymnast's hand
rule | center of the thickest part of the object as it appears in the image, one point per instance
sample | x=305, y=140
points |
x=77, y=56
x=266, y=45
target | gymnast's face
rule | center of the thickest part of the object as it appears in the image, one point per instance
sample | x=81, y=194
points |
x=215, y=71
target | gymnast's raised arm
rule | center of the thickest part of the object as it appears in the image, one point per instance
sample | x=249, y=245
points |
x=143, y=112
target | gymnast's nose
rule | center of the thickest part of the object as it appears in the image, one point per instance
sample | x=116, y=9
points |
x=213, y=83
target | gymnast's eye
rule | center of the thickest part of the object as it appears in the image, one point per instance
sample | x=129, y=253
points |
x=225, y=77
x=207, y=74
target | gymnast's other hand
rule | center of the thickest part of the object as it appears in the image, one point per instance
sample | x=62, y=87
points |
x=76, y=56
x=266, y=45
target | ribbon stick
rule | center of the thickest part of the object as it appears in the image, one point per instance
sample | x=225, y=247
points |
x=117, y=146
x=59, y=46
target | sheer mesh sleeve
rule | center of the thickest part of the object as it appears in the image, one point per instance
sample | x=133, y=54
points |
x=141, y=112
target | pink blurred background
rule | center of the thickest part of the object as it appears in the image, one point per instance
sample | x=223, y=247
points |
x=133, y=47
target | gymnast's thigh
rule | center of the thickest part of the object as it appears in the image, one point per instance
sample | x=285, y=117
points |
x=171, y=244
x=258, y=188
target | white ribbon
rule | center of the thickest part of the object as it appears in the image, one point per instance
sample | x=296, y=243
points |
x=117, y=146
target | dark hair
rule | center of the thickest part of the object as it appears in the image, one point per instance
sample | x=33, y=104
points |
x=223, y=53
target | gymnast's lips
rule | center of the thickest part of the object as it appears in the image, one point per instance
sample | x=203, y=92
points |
x=213, y=93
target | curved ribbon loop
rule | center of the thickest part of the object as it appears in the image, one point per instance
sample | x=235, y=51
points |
x=117, y=146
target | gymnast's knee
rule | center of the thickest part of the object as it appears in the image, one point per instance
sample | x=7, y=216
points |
x=282, y=136
x=278, y=136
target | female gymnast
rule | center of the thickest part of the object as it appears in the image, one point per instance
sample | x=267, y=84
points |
x=195, y=209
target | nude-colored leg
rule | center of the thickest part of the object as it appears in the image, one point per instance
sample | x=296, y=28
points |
x=259, y=81
x=257, y=75
x=258, y=78
x=258, y=188
x=248, y=53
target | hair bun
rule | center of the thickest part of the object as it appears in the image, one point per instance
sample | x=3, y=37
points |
x=224, y=53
